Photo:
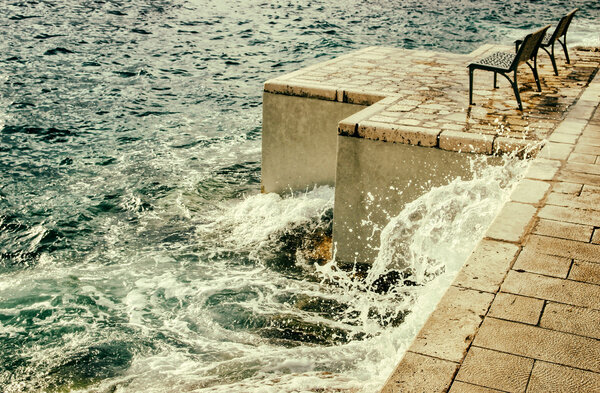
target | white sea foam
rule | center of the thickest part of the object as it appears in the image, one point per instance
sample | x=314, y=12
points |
x=431, y=238
x=222, y=323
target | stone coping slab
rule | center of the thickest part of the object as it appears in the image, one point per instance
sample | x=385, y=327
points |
x=420, y=97
x=533, y=324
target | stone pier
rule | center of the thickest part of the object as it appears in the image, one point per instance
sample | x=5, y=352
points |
x=384, y=125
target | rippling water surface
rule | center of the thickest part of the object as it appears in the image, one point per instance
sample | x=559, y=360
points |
x=136, y=253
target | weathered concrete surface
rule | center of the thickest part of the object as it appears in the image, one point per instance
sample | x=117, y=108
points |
x=541, y=332
x=299, y=141
x=374, y=180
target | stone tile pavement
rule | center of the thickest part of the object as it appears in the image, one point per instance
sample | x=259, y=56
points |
x=421, y=97
x=523, y=315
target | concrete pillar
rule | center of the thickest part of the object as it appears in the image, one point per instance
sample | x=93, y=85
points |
x=375, y=180
x=299, y=141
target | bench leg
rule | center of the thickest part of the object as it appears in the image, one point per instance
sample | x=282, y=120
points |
x=564, y=46
x=471, y=86
x=516, y=90
x=535, y=73
x=552, y=59
x=495, y=80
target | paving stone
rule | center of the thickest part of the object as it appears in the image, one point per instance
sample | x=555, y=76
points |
x=585, y=271
x=450, y=328
x=536, y=262
x=583, y=158
x=567, y=188
x=566, y=248
x=512, y=222
x=590, y=140
x=563, y=138
x=577, y=177
x=588, y=149
x=516, y=308
x=587, y=188
x=463, y=387
x=596, y=236
x=571, y=319
x=552, y=378
x=556, y=151
x=417, y=136
x=550, y=288
x=417, y=373
x=583, y=168
x=529, y=191
x=586, y=200
x=318, y=91
x=570, y=214
x=466, y=142
x=487, y=265
x=538, y=343
x=496, y=370
x=542, y=169
x=571, y=126
x=504, y=145
x=564, y=230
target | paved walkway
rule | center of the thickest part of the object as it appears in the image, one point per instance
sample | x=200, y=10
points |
x=420, y=97
x=523, y=315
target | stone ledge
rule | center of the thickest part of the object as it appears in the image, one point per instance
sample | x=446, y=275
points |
x=436, y=100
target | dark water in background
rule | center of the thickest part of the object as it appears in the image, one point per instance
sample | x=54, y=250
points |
x=128, y=131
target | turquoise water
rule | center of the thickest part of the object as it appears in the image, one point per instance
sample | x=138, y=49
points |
x=136, y=253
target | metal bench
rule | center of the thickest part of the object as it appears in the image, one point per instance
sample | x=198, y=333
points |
x=550, y=39
x=504, y=63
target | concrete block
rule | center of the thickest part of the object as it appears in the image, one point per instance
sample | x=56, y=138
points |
x=530, y=191
x=417, y=373
x=466, y=142
x=563, y=230
x=571, y=319
x=516, y=308
x=495, y=370
x=555, y=151
x=370, y=191
x=450, y=329
x=512, y=222
x=553, y=378
x=487, y=266
x=538, y=343
x=550, y=288
x=542, y=169
x=585, y=272
x=536, y=262
x=299, y=141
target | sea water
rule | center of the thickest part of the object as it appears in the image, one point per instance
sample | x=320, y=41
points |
x=136, y=252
